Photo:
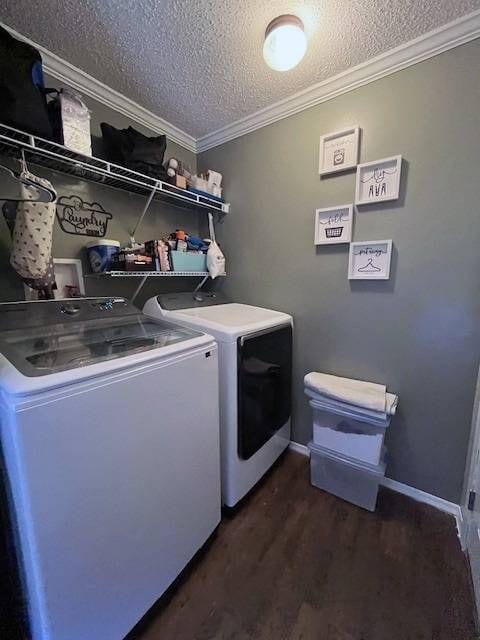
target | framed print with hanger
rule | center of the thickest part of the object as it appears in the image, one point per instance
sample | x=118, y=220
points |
x=339, y=151
x=370, y=260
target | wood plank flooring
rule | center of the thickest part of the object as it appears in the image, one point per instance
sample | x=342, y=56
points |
x=295, y=563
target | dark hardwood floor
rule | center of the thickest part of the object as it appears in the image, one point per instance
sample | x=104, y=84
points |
x=295, y=563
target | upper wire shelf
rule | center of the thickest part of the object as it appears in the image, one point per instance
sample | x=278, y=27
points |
x=58, y=158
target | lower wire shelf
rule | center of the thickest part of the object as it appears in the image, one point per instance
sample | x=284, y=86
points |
x=150, y=274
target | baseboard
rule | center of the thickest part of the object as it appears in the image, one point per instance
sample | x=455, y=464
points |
x=300, y=448
x=462, y=528
x=416, y=494
x=427, y=498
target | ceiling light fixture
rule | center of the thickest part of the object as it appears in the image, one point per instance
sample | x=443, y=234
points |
x=285, y=43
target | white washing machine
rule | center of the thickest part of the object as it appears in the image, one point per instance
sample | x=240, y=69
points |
x=110, y=438
x=255, y=367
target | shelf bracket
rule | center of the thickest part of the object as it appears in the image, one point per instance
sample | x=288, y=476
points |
x=137, y=290
x=142, y=215
x=200, y=285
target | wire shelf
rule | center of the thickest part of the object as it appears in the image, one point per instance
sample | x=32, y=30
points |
x=58, y=158
x=150, y=274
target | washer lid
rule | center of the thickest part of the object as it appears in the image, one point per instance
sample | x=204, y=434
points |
x=52, y=343
x=229, y=321
x=44, y=350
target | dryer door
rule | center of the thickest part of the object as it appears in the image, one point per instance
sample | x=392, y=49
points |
x=264, y=387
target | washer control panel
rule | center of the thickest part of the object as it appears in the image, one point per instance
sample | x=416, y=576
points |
x=109, y=304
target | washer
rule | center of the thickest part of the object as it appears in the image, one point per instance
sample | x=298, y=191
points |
x=110, y=438
x=255, y=366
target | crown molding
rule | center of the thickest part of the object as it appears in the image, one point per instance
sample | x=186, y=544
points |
x=430, y=44
x=77, y=79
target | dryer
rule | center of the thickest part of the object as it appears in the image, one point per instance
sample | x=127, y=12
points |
x=255, y=378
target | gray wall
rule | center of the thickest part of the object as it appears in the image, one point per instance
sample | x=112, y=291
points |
x=418, y=332
x=126, y=208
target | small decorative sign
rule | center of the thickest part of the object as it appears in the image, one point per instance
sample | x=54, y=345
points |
x=334, y=224
x=370, y=260
x=378, y=181
x=339, y=151
x=82, y=218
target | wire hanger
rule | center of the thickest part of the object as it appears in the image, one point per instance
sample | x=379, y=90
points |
x=39, y=192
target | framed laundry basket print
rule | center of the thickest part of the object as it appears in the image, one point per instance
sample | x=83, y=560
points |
x=378, y=181
x=370, y=260
x=334, y=224
x=339, y=151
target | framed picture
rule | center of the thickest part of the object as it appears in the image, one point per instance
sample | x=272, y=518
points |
x=68, y=277
x=339, y=151
x=378, y=181
x=334, y=224
x=370, y=260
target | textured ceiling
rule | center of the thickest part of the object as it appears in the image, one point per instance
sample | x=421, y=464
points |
x=198, y=64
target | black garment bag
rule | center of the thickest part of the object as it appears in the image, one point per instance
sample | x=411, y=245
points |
x=23, y=104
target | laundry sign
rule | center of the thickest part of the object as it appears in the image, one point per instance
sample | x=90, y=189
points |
x=339, y=151
x=80, y=218
x=333, y=225
x=378, y=181
x=370, y=260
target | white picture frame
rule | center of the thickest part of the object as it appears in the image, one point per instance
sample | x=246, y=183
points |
x=339, y=151
x=370, y=260
x=378, y=181
x=333, y=225
x=68, y=271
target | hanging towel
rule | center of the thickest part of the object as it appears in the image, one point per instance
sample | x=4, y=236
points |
x=368, y=395
x=32, y=235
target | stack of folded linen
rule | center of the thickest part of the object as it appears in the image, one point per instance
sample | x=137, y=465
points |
x=357, y=399
x=347, y=453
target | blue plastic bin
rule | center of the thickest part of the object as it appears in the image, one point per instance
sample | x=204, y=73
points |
x=188, y=261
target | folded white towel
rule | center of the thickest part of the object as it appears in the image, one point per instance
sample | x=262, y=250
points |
x=368, y=395
x=391, y=405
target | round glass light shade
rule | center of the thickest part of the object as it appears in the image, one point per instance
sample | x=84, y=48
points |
x=285, y=43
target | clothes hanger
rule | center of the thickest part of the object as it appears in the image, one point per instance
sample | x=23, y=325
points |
x=10, y=192
x=46, y=194
x=40, y=193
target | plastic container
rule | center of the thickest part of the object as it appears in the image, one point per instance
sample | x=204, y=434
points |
x=100, y=253
x=75, y=122
x=188, y=261
x=347, y=436
x=346, y=478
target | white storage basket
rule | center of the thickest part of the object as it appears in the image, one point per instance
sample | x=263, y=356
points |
x=347, y=436
x=346, y=478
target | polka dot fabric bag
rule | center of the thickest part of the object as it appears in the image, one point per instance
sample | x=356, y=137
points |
x=32, y=235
